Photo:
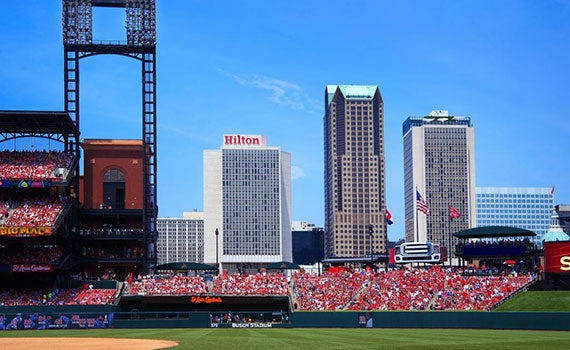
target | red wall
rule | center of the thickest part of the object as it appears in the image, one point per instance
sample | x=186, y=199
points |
x=102, y=155
x=557, y=257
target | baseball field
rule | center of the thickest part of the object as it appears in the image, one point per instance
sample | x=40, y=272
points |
x=280, y=339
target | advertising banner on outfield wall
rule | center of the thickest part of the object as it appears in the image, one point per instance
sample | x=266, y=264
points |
x=23, y=321
x=557, y=257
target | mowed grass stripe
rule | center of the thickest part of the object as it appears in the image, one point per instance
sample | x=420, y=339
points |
x=330, y=338
x=538, y=301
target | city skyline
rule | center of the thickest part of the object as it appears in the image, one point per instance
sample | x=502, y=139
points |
x=261, y=68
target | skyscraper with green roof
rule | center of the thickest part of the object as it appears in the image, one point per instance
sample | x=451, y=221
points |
x=355, y=183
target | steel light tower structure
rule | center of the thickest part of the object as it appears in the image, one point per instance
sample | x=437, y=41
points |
x=78, y=43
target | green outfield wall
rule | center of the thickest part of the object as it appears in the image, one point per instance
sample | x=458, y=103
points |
x=434, y=319
x=111, y=317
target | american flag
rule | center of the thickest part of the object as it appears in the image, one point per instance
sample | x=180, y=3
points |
x=421, y=203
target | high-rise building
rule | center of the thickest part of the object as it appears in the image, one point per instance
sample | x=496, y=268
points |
x=355, y=196
x=247, y=204
x=308, y=243
x=522, y=207
x=439, y=177
x=181, y=239
x=563, y=211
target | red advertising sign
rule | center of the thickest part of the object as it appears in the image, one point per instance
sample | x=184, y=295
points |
x=31, y=268
x=25, y=231
x=205, y=300
x=557, y=257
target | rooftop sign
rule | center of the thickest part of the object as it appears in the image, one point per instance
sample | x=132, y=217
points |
x=237, y=140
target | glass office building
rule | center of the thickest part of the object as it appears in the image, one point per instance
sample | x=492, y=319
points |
x=523, y=207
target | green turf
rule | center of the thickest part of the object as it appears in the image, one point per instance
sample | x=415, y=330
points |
x=317, y=339
x=538, y=301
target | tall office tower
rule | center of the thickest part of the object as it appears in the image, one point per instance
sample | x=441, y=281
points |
x=247, y=204
x=439, y=177
x=181, y=239
x=522, y=207
x=355, y=196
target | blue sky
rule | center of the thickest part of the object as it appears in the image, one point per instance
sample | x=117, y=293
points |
x=261, y=67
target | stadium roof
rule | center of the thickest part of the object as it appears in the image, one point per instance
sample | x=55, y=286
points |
x=493, y=232
x=40, y=122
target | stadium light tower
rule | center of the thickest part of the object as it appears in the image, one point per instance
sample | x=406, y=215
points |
x=140, y=44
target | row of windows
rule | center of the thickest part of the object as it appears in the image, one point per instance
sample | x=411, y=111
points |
x=514, y=216
x=532, y=227
x=502, y=205
x=513, y=195
x=532, y=201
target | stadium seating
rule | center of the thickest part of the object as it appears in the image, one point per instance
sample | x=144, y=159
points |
x=399, y=289
x=32, y=165
x=250, y=284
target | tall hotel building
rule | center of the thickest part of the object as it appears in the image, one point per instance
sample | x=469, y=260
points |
x=181, y=239
x=439, y=164
x=522, y=207
x=247, y=201
x=355, y=196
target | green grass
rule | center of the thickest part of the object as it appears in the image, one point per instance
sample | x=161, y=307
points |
x=329, y=339
x=538, y=301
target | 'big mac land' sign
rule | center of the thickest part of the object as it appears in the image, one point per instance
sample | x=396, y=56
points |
x=25, y=231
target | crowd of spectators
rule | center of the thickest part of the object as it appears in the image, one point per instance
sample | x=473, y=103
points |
x=91, y=296
x=55, y=296
x=110, y=231
x=29, y=297
x=476, y=292
x=35, y=212
x=410, y=289
x=167, y=285
x=432, y=288
x=329, y=291
x=30, y=254
x=129, y=252
x=250, y=284
x=32, y=165
x=484, y=242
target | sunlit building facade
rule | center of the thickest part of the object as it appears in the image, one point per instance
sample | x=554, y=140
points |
x=181, y=239
x=439, y=164
x=355, y=185
x=247, y=201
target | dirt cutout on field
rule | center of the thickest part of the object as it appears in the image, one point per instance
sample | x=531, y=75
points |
x=84, y=343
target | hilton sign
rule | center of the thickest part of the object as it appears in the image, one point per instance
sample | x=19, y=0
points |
x=244, y=140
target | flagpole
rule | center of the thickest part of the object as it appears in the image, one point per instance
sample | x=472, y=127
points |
x=449, y=254
x=417, y=216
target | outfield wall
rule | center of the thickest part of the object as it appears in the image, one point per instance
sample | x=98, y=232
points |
x=434, y=319
x=106, y=318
